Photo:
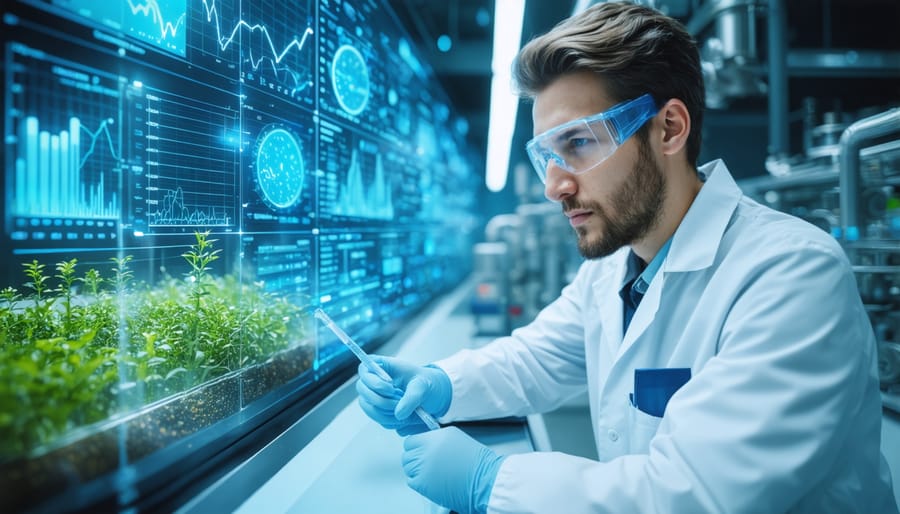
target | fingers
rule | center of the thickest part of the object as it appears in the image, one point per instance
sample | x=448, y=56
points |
x=387, y=403
x=385, y=418
x=412, y=398
x=421, y=455
x=399, y=370
x=389, y=364
x=412, y=426
x=371, y=387
x=381, y=409
x=376, y=384
x=414, y=457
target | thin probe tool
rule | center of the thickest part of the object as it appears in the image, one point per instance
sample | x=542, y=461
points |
x=369, y=362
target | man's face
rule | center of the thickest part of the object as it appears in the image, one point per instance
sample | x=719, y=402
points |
x=618, y=202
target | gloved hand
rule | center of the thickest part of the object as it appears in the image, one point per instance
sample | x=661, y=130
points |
x=451, y=469
x=392, y=404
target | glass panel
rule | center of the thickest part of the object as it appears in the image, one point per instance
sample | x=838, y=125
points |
x=184, y=181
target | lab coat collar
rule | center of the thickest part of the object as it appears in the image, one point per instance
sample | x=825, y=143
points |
x=608, y=301
x=697, y=238
x=694, y=247
x=694, y=244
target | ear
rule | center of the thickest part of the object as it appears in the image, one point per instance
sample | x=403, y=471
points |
x=676, y=126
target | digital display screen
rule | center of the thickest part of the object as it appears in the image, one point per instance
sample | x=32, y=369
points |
x=307, y=137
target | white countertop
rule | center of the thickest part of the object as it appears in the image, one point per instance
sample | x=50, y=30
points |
x=353, y=464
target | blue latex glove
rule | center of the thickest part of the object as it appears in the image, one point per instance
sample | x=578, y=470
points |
x=451, y=469
x=392, y=404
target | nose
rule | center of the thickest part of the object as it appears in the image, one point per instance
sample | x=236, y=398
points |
x=559, y=184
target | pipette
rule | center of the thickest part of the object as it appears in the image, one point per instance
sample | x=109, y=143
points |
x=369, y=362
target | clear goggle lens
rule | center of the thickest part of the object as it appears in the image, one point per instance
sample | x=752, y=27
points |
x=581, y=145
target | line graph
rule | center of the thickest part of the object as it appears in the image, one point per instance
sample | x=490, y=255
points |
x=191, y=171
x=151, y=8
x=355, y=199
x=289, y=64
x=104, y=128
x=159, y=22
x=172, y=211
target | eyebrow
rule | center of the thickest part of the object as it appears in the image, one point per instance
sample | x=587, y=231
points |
x=569, y=132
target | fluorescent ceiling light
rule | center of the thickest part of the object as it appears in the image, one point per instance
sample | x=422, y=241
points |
x=508, y=15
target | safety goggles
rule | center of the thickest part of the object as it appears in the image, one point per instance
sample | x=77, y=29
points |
x=581, y=145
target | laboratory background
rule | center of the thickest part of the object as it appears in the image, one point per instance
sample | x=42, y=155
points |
x=186, y=181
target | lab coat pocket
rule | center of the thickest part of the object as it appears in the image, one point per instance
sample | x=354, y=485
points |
x=642, y=428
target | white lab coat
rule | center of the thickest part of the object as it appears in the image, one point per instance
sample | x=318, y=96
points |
x=782, y=413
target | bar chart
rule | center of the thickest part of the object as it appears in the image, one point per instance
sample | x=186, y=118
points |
x=49, y=177
x=64, y=149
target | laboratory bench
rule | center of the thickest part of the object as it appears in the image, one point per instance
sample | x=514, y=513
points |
x=335, y=459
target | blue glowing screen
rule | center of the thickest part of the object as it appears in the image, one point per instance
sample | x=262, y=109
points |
x=309, y=137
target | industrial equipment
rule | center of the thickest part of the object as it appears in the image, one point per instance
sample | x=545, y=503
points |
x=853, y=193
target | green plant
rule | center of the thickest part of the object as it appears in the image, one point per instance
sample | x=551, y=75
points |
x=38, y=315
x=92, y=281
x=69, y=359
x=8, y=319
x=123, y=275
x=199, y=257
x=35, y=271
x=67, y=279
x=50, y=386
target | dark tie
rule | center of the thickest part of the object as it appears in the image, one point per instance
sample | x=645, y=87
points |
x=631, y=298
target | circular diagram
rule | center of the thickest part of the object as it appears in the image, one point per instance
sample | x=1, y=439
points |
x=279, y=167
x=350, y=79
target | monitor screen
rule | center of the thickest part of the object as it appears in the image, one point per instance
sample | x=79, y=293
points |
x=185, y=180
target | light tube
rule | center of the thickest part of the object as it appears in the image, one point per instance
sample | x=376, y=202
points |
x=508, y=16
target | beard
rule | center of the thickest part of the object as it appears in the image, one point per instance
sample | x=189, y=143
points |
x=635, y=209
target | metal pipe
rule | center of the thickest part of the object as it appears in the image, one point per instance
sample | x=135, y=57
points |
x=779, y=140
x=499, y=224
x=736, y=29
x=852, y=140
x=709, y=11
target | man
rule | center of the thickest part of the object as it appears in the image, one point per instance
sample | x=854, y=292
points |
x=729, y=362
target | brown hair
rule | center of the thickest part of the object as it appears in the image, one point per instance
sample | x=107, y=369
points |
x=633, y=48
